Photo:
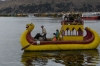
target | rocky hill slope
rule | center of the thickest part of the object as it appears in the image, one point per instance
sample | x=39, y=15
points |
x=42, y=6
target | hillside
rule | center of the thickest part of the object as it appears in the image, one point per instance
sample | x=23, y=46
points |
x=41, y=6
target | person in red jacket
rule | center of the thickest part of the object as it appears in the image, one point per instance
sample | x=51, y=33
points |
x=54, y=37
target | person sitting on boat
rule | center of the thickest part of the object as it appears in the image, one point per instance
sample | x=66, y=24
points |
x=66, y=17
x=57, y=34
x=71, y=18
x=44, y=33
x=37, y=36
x=54, y=37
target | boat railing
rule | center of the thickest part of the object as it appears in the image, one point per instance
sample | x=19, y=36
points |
x=88, y=35
x=29, y=38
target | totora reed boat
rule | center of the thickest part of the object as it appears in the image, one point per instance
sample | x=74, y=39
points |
x=67, y=39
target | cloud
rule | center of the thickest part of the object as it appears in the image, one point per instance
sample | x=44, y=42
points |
x=3, y=0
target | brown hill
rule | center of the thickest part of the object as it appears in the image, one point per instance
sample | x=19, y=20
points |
x=56, y=5
x=19, y=2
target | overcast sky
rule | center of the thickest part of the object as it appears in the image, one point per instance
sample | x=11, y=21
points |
x=2, y=0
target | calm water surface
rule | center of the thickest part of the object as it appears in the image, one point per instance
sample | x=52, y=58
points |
x=12, y=55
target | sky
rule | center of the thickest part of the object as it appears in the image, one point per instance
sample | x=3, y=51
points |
x=3, y=0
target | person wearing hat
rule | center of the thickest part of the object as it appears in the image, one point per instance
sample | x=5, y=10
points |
x=44, y=32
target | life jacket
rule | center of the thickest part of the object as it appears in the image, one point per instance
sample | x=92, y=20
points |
x=54, y=39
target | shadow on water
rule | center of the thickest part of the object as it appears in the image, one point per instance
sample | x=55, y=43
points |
x=62, y=58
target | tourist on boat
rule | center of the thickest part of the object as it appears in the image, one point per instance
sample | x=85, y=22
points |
x=37, y=36
x=57, y=34
x=44, y=33
x=66, y=17
x=79, y=18
x=71, y=18
x=54, y=37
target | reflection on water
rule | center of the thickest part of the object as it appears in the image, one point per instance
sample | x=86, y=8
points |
x=61, y=58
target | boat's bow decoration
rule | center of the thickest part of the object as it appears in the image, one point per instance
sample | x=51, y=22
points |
x=71, y=37
x=30, y=27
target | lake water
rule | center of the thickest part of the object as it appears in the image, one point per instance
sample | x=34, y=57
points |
x=12, y=55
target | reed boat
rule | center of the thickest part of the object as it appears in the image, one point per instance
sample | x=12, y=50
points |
x=71, y=37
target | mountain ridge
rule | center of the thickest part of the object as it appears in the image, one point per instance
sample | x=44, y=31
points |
x=49, y=6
